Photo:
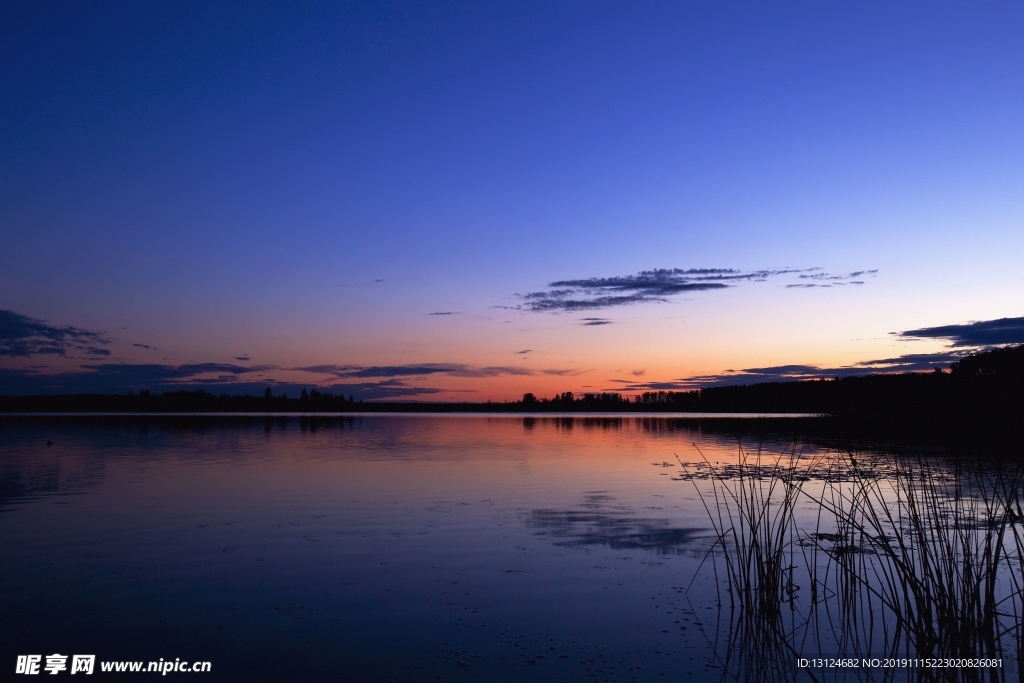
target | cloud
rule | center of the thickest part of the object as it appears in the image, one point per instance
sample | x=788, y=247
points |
x=191, y=369
x=824, y=279
x=672, y=385
x=426, y=369
x=785, y=370
x=564, y=373
x=914, y=362
x=369, y=391
x=443, y=313
x=660, y=284
x=122, y=378
x=617, y=529
x=378, y=390
x=524, y=352
x=981, y=333
x=21, y=336
x=557, y=302
x=135, y=373
x=346, y=371
x=964, y=339
x=385, y=389
x=601, y=519
x=596, y=321
x=489, y=371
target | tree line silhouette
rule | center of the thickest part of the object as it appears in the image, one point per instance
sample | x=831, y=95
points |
x=981, y=391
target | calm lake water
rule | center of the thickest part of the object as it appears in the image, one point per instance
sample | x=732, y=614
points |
x=376, y=547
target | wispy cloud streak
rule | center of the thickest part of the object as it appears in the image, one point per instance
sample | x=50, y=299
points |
x=660, y=284
x=425, y=370
x=822, y=279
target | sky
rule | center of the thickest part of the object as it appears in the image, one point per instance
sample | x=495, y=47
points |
x=469, y=201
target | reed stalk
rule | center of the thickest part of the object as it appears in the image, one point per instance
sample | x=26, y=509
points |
x=906, y=558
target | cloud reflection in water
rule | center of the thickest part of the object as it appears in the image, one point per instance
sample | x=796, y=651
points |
x=612, y=526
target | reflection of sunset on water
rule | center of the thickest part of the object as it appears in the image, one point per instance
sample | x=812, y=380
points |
x=259, y=539
x=554, y=527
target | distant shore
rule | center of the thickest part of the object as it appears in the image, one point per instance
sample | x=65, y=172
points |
x=980, y=398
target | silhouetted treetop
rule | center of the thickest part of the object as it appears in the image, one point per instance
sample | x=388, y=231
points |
x=1005, y=362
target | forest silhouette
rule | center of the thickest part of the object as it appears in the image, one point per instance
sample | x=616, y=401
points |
x=980, y=394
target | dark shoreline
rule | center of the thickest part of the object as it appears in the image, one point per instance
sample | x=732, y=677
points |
x=978, y=404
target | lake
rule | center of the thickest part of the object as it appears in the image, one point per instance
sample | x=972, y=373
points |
x=439, y=547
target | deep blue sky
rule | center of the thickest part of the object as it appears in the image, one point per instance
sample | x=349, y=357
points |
x=303, y=184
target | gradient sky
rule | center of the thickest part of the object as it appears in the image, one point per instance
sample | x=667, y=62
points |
x=383, y=198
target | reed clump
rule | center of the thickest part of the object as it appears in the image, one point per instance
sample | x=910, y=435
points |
x=885, y=556
x=752, y=506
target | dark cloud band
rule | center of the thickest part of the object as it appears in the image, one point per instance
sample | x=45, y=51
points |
x=981, y=333
x=916, y=362
x=21, y=336
x=122, y=378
